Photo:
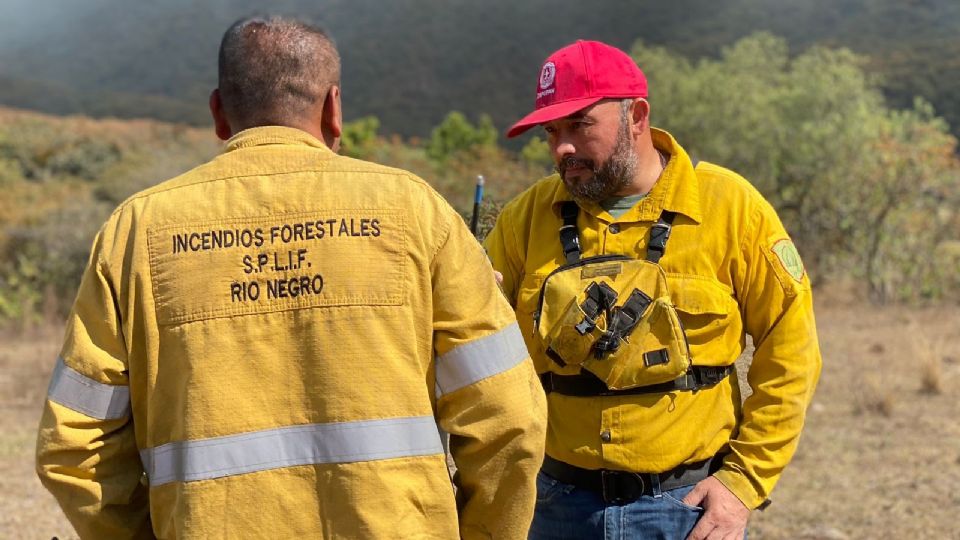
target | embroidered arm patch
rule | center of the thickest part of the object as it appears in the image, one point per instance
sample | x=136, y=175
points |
x=789, y=258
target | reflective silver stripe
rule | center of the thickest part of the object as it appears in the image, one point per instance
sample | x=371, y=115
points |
x=73, y=390
x=479, y=359
x=345, y=442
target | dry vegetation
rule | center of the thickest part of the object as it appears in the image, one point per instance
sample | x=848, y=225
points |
x=26, y=359
x=880, y=457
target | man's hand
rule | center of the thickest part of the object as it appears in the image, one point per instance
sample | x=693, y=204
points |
x=498, y=276
x=724, y=516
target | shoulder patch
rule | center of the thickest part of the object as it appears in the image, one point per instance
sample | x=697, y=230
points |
x=789, y=258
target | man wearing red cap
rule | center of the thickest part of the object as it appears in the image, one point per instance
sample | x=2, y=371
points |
x=636, y=275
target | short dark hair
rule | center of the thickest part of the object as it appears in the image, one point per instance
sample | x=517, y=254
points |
x=273, y=69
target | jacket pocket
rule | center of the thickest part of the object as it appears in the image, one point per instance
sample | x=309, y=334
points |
x=710, y=316
x=526, y=305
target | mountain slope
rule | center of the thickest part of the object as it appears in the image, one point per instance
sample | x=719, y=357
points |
x=409, y=62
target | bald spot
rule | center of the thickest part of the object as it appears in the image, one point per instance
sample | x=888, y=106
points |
x=273, y=70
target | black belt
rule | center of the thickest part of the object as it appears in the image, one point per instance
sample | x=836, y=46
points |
x=587, y=384
x=622, y=487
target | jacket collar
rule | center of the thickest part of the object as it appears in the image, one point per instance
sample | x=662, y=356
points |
x=264, y=135
x=677, y=189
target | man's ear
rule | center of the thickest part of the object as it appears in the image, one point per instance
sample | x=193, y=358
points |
x=641, y=115
x=331, y=124
x=220, y=123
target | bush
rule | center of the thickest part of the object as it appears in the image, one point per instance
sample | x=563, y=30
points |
x=456, y=135
x=858, y=186
x=60, y=178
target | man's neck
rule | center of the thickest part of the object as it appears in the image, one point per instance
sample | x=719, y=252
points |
x=649, y=171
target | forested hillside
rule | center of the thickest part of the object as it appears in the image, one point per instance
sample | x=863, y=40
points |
x=409, y=62
x=869, y=192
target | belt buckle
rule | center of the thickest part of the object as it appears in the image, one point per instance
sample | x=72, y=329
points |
x=613, y=481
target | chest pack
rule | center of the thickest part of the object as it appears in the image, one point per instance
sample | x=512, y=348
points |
x=609, y=325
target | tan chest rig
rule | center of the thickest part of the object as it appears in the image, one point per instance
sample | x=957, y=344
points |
x=609, y=325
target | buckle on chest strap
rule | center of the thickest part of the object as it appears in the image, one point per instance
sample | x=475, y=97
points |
x=569, y=235
x=659, y=234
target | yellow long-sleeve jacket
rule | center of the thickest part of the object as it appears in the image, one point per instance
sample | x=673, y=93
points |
x=265, y=346
x=731, y=269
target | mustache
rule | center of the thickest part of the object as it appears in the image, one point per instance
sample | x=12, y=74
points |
x=571, y=161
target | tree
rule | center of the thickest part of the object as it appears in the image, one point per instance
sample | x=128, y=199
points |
x=905, y=206
x=456, y=134
x=359, y=136
x=537, y=152
x=814, y=135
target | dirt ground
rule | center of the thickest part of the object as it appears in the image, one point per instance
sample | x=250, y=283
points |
x=879, y=458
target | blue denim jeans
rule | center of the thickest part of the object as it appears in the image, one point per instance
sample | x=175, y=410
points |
x=565, y=512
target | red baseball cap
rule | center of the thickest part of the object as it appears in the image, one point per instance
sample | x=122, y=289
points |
x=578, y=76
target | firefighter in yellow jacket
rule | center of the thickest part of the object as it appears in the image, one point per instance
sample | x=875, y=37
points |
x=265, y=346
x=635, y=274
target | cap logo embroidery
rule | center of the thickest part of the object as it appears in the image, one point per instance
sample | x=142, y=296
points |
x=547, y=74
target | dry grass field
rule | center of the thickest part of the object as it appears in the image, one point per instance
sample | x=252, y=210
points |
x=880, y=457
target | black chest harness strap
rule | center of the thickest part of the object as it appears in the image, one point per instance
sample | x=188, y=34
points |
x=588, y=384
x=570, y=237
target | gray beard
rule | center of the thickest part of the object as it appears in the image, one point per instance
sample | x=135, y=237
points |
x=614, y=174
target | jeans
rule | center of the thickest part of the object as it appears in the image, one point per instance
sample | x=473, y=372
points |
x=566, y=512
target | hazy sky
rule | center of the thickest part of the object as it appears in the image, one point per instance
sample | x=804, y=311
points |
x=62, y=55
x=24, y=21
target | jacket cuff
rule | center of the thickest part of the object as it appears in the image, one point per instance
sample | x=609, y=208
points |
x=742, y=487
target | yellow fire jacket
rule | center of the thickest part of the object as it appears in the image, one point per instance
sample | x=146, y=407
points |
x=264, y=347
x=731, y=269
